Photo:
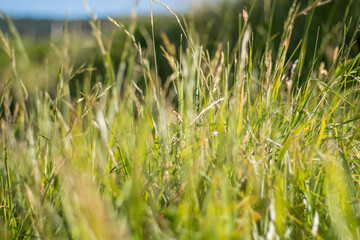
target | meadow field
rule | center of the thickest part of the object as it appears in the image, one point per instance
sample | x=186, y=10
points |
x=236, y=122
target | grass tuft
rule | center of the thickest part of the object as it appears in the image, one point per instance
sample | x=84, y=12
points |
x=240, y=140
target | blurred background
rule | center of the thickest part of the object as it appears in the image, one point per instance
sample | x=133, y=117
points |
x=43, y=9
x=40, y=25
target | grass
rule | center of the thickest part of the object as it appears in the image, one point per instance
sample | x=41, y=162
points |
x=229, y=146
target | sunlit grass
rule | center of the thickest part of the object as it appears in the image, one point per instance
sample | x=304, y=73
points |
x=229, y=146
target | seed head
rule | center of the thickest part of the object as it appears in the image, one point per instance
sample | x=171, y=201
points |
x=245, y=15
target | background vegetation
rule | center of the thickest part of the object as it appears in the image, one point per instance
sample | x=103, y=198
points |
x=240, y=121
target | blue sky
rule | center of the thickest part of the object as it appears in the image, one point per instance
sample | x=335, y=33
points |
x=58, y=9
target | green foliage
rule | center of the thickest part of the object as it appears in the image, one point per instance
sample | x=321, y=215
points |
x=226, y=145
